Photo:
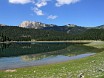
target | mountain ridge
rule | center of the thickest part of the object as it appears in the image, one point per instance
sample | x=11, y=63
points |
x=69, y=28
x=33, y=24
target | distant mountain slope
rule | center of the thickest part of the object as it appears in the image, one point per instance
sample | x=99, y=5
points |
x=67, y=29
x=70, y=28
x=100, y=27
x=3, y=25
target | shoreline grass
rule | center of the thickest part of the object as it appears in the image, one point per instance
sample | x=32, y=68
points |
x=73, y=41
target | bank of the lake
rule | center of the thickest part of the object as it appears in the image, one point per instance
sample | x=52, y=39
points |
x=70, y=41
x=91, y=67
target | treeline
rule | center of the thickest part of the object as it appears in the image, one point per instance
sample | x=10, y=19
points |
x=13, y=33
x=90, y=34
x=3, y=38
x=25, y=34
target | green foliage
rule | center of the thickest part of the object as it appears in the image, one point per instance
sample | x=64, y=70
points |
x=26, y=34
x=3, y=38
x=90, y=34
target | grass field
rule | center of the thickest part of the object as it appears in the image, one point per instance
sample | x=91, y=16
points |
x=91, y=67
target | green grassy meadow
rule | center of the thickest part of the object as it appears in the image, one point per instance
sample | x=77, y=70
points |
x=91, y=67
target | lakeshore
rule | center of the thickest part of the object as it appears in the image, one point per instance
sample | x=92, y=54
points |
x=71, y=41
x=92, y=67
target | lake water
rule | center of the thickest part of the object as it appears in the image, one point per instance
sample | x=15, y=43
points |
x=16, y=55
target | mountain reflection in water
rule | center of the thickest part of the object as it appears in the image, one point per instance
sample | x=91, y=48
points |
x=16, y=55
x=71, y=50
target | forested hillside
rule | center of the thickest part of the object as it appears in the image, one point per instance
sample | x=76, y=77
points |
x=13, y=33
x=90, y=34
x=24, y=34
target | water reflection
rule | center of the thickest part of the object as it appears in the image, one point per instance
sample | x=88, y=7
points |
x=71, y=50
x=17, y=49
x=16, y=55
x=41, y=50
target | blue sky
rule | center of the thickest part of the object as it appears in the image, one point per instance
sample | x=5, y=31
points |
x=59, y=12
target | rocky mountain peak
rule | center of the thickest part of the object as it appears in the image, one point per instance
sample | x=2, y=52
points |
x=100, y=27
x=35, y=25
x=71, y=25
x=3, y=25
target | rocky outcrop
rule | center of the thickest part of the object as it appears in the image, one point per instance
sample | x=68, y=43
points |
x=35, y=25
x=71, y=25
x=3, y=25
x=66, y=28
x=100, y=27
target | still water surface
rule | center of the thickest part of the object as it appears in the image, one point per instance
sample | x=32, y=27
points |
x=16, y=55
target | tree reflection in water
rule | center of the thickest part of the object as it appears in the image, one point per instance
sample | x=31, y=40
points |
x=71, y=50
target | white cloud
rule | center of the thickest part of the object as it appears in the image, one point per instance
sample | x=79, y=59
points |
x=21, y=1
x=52, y=17
x=38, y=11
x=38, y=4
x=41, y=3
x=63, y=2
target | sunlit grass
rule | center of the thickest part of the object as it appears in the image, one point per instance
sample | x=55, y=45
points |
x=96, y=44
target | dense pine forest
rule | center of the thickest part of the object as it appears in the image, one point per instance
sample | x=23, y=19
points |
x=13, y=33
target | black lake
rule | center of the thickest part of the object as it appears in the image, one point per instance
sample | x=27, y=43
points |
x=16, y=55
